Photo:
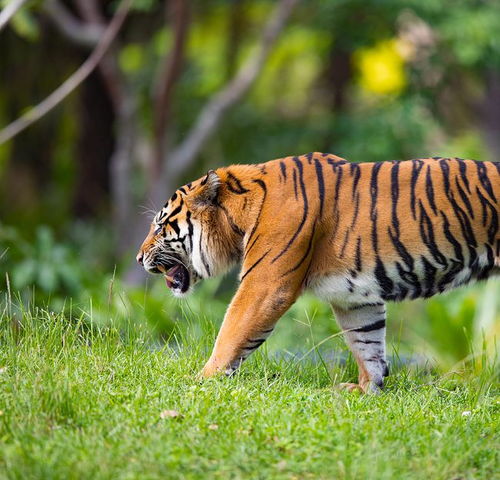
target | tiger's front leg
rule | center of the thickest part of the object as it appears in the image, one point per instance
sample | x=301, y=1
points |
x=249, y=320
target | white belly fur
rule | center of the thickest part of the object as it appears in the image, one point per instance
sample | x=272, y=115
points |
x=335, y=289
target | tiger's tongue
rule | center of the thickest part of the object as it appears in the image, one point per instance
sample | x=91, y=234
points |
x=169, y=275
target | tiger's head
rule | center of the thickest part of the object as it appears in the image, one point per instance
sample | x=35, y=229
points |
x=189, y=238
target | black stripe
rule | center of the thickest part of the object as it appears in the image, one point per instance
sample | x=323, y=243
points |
x=306, y=254
x=429, y=189
x=295, y=183
x=190, y=228
x=466, y=227
x=333, y=161
x=261, y=183
x=429, y=277
x=356, y=171
x=305, y=211
x=371, y=327
x=234, y=184
x=174, y=224
x=254, y=265
x=427, y=235
x=385, y=283
x=356, y=212
x=373, y=206
x=367, y=342
x=203, y=258
x=493, y=228
x=401, y=249
x=456, y=267
x=415, y=171
x=411, y=278
x=364, y=305
x=484, y=179
x=252, y=244
x=231, y=221
x=283, y=169
x=256, y=344
x=462, y=166
x=344, y=243
x=395, y=197
x=174, y=212
x=357, y=260
x=464, y=198
x=445, y=169
x=257, y=221
x=337, y=187
x=402, y=292
x=457, y=247
x=321, y=185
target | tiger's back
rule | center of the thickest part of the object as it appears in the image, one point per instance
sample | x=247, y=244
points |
x=397, y=230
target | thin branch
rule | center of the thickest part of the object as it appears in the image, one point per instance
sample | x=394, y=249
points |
x=90, y=10
x=58, y=95
x=84, y=34
x=9, y=11
x=212, y=114
x=178, y=11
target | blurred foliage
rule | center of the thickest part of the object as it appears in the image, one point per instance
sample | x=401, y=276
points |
x=381, y=68
x=369, y=80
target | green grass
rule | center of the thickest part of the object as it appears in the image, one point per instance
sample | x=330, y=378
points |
x=78, y=401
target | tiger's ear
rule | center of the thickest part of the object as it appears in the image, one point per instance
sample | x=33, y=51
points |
x=207, y=191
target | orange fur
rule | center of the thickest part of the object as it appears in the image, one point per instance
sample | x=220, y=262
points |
x=383, y=231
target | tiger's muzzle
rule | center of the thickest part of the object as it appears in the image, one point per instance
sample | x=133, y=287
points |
x=177, y=276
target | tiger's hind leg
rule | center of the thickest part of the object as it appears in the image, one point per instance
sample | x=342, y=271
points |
x=364, y=332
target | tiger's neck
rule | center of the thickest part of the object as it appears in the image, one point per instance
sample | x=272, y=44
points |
x=241, y=195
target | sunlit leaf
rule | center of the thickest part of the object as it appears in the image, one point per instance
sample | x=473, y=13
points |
x=25, y=25
x=131, y=58
x=381, y=68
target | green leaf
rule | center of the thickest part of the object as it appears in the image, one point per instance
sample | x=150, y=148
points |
x=24, y=273
x=25, y=25
x=131, y=58
x=47, y=277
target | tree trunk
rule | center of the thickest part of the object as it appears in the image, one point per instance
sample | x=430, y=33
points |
x=490, y=114
x=120, y=171
x=94, y=148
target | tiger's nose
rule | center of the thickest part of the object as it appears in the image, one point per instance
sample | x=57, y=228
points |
x=140, y=258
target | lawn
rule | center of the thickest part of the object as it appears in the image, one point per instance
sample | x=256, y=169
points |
x=78, y=401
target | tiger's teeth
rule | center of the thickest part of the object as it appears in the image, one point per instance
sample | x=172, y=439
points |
x=164, y=271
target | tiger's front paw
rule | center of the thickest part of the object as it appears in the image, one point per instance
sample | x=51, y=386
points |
x=211, y=369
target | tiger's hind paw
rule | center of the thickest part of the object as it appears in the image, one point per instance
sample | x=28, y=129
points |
x=369, y=388
x=350, y=387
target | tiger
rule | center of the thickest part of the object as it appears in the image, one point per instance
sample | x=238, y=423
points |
x=357, y=235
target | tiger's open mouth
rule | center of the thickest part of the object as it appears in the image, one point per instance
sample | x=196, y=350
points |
x=176, y=276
